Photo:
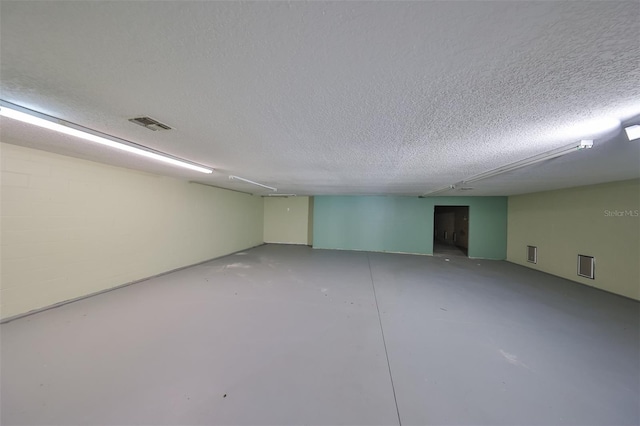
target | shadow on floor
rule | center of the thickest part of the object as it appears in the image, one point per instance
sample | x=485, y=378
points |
x=448, y=250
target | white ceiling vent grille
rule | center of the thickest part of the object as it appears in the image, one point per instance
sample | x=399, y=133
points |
x=149, y=123
x=586, y=266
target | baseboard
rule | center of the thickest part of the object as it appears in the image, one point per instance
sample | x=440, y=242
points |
x=106, y=290
x=286, y=244
x=573, y=281
x=372, y=251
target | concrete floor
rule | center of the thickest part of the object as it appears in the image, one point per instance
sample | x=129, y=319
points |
x=290, y=335
x=447, y=250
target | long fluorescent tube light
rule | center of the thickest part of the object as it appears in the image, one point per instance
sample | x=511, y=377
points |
x=633, y=132
x=583, y=144
x=232, y=177
x=16, y=112
x=281, y=195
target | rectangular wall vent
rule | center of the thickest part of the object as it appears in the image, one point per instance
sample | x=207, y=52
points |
x=586, y=266
x=149, y=123
x=532, y=254
x=445, y=234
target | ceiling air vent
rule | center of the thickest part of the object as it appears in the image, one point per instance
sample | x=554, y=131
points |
x=149, y=123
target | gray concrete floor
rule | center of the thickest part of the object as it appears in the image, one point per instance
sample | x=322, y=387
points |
x=291, y=335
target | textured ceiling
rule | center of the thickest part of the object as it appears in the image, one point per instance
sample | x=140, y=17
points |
x=335, y=97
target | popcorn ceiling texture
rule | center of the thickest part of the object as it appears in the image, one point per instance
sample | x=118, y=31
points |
x=334, y=98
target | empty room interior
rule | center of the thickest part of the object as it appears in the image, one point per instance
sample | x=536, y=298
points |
x=321, y=213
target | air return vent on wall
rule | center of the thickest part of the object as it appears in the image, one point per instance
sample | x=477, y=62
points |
x=149, y=123
x=532, y=254
x=586, y=266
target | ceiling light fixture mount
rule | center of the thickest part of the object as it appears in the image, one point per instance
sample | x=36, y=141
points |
x=633, y=132
x=35, y=118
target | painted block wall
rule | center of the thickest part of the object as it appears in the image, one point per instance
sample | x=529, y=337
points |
x=286, y=220
x=597, y=220
x=310, y=223
x=405, y=224
x=72, y=227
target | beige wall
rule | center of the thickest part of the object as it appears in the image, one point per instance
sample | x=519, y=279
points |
x=286, y=220
x=565, y=223
x=72, y=227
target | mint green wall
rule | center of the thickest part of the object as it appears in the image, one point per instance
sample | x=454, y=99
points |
x=405, y=224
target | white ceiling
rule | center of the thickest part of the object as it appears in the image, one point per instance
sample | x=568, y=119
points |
x=334, y=97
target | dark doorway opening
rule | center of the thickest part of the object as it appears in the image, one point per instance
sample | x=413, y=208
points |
x=451, y=231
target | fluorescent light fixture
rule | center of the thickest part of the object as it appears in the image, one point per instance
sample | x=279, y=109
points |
x=582, y=145
x=439, y=191
x=281, y=195
x=633, y=132
x=232, y=177
x=15, y=112
x=220, y=187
